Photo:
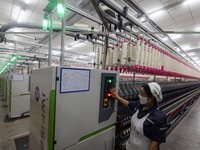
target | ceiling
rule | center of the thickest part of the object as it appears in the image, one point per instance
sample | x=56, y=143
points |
x=31, y=12
x=170, y=15
x=178, y=16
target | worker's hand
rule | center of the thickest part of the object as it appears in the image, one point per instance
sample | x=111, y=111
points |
x=113, y=92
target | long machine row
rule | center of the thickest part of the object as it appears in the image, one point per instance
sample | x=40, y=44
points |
x=89, y=118
x=174, y=104
x=144, y=54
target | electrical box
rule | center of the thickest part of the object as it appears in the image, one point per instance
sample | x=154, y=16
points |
x=69, y=109
x=108, y=81
x=18, y=95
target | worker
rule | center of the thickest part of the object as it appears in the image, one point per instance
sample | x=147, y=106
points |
x=148, y=123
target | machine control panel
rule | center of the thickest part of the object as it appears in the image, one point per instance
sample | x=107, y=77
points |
x=108, y=81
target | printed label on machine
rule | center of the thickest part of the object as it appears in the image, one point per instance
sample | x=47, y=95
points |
x=74, y=80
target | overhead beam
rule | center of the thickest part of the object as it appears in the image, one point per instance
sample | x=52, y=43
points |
x=84, y=14
x=100, y=13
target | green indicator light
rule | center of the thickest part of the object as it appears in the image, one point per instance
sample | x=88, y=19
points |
x=109, y=81
x=14, y=58
x=45, y=24
x=60, y=10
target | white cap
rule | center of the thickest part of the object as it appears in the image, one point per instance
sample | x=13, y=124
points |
x=156, y=90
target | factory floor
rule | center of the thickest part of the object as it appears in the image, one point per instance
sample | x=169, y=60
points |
x=186, y=136
x=11, y=129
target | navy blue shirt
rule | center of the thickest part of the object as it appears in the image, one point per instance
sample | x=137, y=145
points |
x=155, y=125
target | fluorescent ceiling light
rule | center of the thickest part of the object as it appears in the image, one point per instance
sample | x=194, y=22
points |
x=191, y=54
x=21, y=15
x=165, y=38
x=197, y=29
x=198, y=61
x=78, y=44
x=185, y=3
x=195, y=58
x=27, y=1
x=75, y=57
x=183, y=55
x=186, y=47
x=189, y=2
x=142, y=19
x=82, y=57
x=68, y=47
x=92, y=54
x=176, y=36
x=156, y=14
x=56, y=52
x=177, y=49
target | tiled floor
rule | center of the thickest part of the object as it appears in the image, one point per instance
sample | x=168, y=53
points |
x=186, y=136
x=12, y=129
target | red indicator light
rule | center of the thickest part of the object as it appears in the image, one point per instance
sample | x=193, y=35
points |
x=108, y=95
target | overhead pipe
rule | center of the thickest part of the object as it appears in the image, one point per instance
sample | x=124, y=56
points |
x=11, y=25
x=82, y=13
x=27, y=36
x=99, y=12
x=41, y=58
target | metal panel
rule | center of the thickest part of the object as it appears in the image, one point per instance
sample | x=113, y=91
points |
x=77, y=113
x=20, y=97
x=42, y=83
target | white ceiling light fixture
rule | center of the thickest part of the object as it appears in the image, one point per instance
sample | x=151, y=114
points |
x=177, y=49
x=27, y=1
x=143, y=19
x=186, y=2
x=183, y=55
x=68, y=47
x=186, y=47
x=195, y=58
x=82, y=57
x=176, y=36
x=156, y=14
x=56, y=52
x=75, y=57
x=192, y=54
x=21, y=15
x=92, y=54
x=165, y=38
x=197, y=29
x=78, y=44
x=198, y=61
